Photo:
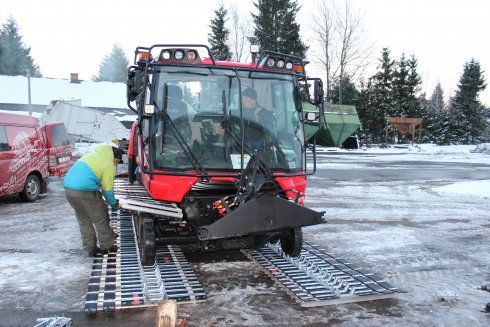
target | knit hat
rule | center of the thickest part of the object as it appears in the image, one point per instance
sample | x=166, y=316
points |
x=117, y=154
x=249, y=92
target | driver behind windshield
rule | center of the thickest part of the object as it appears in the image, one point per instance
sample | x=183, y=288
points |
x=256, y=119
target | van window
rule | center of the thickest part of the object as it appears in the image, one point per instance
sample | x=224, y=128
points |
x=4, y=144
x=59, y=137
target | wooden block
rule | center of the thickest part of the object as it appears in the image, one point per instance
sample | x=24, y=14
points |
x=167, y=313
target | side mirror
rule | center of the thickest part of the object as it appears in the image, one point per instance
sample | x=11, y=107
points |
x=316, y=96
x=134, y=83
x=311, y=90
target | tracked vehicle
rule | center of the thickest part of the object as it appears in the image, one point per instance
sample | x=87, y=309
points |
x=215, y=175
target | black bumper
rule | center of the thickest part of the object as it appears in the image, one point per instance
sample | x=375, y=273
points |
x=265, y=213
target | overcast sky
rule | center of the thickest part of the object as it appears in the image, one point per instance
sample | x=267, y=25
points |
x=73, y=36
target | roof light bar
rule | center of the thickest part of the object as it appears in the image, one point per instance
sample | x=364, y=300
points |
x=277, y=63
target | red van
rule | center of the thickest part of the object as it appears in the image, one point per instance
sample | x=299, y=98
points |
x=29, y=154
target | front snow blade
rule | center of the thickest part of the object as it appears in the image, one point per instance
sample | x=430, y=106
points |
x=264, y=213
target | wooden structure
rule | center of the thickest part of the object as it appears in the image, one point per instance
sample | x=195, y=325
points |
x=404, y=125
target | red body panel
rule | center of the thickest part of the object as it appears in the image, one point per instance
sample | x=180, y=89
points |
x=131, y=153
x=297, y=183
x=174, y=188
x=168, y=188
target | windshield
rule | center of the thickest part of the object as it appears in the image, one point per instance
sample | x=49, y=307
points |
x=203, y=120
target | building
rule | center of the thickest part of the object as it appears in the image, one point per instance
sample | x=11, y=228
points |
x=20, y=94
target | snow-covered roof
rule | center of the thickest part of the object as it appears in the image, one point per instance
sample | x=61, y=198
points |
x=44, y=90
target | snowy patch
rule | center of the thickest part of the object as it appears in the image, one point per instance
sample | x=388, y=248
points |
x=482, y=148
x=474, y=188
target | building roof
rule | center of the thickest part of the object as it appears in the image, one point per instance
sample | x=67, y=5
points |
x=44, y=90
x=106, y=97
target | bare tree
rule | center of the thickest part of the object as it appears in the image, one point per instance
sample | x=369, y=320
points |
x=239, y=32
x=342, y=39
x=324, y=30
x=353, y=56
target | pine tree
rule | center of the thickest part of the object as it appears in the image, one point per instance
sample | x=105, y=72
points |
x=376, y=101
x=218, y=38
x=276, y=28
x=406, y=85
x=469, y=113
x=436, y=101
x=349, y=92
x=400, y=87
x=15, y=58
x=114, y=66
x=436, y=121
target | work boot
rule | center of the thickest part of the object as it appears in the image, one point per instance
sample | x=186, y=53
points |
x=111, y=249
x=92, y=253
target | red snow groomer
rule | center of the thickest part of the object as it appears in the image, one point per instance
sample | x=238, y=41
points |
x=219, y=146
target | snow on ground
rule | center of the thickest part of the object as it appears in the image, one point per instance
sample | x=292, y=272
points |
x=428, y=236
x=474, y=188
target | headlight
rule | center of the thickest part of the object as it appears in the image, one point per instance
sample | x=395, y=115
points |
x=280, y=63
x=179, y=54
x=191, y=55
x=289, y=65
x=166, y=54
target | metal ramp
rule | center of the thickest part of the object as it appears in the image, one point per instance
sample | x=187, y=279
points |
x=317, y=277
x=134, y=198
x=116, y=278
x=119, y=281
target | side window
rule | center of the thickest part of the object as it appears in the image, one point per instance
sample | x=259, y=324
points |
x=4, y=144
x=146, y=133
x=59, y=136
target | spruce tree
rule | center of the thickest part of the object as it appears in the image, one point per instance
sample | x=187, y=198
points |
x=376, y=102
x=218, y=38
x=276, y=28
x=400, y=90
x=435, y=117
x=349, y=92
x=436, y=101
x=406, y=85
x=469, y=114
x=15, y=58
x=114, y=66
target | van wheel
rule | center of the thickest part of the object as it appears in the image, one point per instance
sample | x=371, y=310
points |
x=32, y=188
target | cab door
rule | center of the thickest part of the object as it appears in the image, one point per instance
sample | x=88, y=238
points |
x=59, y=149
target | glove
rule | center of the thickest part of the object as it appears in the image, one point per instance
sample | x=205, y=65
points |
x=116, y=205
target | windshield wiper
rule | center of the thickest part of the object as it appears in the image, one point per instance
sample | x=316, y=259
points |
x=178, y=136
x=226, y=125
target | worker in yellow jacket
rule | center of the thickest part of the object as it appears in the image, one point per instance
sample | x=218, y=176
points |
x=87, y=183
